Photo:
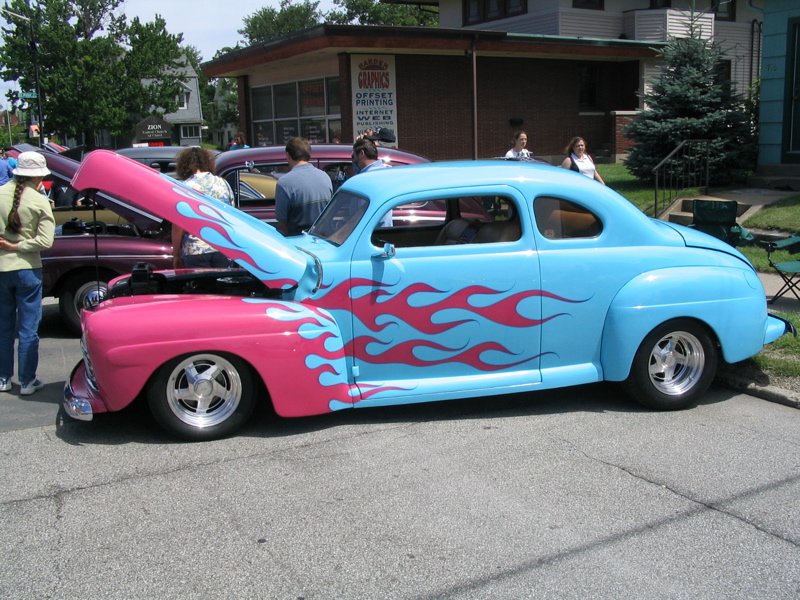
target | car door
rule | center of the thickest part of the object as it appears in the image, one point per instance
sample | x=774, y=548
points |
x=445, y=319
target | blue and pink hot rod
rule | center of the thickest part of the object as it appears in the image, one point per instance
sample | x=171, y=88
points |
x=533, y=277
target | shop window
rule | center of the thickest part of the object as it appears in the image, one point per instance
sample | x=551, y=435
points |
x=332, y=87
x=262, y=103
x=312, y=98
x=588, y=87
x=275, y=111
x=480, y=11
x=285, y=100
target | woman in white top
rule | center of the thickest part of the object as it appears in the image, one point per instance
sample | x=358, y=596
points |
x=519, y=150
x=577, y=159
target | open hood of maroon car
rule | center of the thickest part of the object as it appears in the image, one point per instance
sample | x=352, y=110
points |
x=254, y=245
x=64, y=167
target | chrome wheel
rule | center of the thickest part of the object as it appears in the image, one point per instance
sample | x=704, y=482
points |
x=676, y=363
x=203, y=390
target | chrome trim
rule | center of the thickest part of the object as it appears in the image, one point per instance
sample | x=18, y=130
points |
x=75, y=406
x=114, y=256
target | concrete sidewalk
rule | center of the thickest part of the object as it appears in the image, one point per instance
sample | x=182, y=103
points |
x=772, y=284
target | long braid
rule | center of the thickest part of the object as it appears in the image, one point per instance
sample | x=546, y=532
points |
x=14, y=224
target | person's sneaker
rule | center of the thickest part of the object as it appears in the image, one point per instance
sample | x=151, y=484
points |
x=5, y=385
x=30, y=387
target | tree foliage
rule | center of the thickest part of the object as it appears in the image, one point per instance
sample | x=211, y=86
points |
x=373, y=12
x=692, y=99
x=268, y=23
x=96, y=69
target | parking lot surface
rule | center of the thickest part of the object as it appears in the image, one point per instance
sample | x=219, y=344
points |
x=575, y=493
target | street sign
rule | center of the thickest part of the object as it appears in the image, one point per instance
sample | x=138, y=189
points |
x=27, y=94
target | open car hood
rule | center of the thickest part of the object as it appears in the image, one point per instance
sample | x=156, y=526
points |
x=65, y=167
x=254, y=245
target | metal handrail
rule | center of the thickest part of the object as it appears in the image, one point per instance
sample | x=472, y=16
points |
x=683, y=171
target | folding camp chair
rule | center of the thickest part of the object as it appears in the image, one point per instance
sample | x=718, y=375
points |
x=789, y=270
x=718, y=218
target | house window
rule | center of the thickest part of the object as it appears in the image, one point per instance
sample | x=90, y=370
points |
x=480, y=11
x=660, y=3
x=183, y=101
x=592, y=4
x=725, y=10
x=190, y=131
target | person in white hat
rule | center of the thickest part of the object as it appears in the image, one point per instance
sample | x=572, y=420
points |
x=26, y=228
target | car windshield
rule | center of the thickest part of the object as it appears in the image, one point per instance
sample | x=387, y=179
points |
x=340, y=217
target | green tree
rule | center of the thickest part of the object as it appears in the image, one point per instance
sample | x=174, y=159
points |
x=692, y=99
x=373, y=12
x=268, y=23
x=96, y=70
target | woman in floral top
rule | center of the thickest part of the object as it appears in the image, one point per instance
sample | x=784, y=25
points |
x=195, y=166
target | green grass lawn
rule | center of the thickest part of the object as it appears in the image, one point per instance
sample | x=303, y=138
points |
x=783, y=214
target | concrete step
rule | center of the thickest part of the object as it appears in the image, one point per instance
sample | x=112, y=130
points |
x=774, y=183
x=776, y=177
x=681, y=218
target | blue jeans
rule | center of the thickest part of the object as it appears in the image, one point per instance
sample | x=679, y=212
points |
x=20, y=309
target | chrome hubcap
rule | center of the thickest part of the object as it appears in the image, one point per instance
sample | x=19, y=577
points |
x=677, y=362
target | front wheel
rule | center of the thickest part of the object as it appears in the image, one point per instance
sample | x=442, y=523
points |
x=203, y=396
x=81, y=291
x=673, y=367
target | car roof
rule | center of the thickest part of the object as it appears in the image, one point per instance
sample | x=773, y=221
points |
x=326, y=152
x=155, y=152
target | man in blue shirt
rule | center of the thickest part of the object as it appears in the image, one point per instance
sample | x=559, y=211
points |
x=365, y=159
x=303, y=192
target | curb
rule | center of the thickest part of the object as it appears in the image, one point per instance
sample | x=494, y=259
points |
x=770, y=393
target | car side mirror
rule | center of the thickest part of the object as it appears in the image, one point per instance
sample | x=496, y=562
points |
x=389, y=251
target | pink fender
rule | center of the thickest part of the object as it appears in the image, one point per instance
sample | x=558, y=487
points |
x=296, y=349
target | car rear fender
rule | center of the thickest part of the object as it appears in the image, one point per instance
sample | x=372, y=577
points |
x=296, y=349
x=729, y=301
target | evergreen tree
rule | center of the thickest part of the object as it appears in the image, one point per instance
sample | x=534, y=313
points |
x=96, y=70
x=692, y=99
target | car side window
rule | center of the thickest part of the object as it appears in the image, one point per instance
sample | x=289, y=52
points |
x=558, y=219
x=451, y=221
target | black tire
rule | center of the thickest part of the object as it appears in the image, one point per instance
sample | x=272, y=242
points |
x=673, y=367
x=75, y=292
x=202, y=396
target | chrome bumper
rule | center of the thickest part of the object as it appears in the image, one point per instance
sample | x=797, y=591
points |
x=76, y=406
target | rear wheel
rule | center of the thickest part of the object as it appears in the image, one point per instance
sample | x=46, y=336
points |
x=673, y=367
x=202, y=396
x=77, y=292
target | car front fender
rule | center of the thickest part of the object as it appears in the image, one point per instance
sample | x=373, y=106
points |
x=730, y=301
x=296, y=349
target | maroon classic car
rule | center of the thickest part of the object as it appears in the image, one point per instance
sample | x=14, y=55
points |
x=126, y=236
x=80, y=264
x=240, y=167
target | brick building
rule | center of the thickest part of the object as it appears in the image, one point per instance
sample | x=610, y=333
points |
x=562, y=68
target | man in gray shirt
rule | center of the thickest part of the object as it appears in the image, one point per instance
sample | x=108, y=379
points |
x=303, y=192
